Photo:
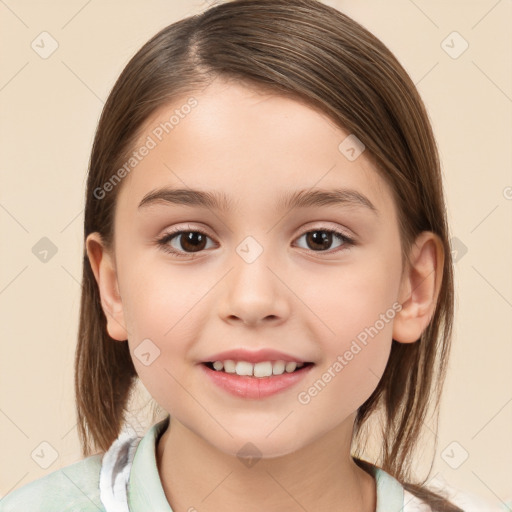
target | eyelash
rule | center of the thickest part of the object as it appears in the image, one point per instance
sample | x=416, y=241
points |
x=163, y=242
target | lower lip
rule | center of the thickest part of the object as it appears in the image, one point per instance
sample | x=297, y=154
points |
x=255, y=387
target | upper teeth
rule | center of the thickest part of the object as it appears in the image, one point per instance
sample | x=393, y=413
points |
x=263, y=369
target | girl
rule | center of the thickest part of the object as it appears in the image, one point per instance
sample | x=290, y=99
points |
x=266, y=248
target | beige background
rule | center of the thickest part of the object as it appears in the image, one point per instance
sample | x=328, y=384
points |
x=49, y=108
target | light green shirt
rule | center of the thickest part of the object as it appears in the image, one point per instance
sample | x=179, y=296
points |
x=76, y=487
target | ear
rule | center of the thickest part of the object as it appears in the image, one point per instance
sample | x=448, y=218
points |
x=419, y=288
x=103, y=267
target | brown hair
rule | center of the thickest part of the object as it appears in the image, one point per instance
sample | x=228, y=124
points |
x=313, y=53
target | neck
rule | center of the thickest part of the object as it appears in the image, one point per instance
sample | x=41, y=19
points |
x=321, y=476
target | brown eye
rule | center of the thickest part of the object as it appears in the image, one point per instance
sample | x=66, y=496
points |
x=192, y=241
x=184, y=242
x=320, y=240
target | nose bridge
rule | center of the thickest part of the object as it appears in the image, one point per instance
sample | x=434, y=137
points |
x=251, y=264
x=254, y=291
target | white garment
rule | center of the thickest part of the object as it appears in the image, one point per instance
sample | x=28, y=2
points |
x=117, y=464
x=466, y=501
x=115, y=471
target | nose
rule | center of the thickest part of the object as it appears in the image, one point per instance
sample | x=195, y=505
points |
x=255, y=293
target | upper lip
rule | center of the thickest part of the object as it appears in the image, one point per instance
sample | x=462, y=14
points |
x=254, y=356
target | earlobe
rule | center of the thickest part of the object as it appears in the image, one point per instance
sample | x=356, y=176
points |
x=103, y=267
x=419, y=288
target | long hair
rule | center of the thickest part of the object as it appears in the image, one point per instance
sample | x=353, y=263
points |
x=311, y=52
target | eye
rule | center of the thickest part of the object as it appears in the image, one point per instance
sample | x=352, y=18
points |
x=321, y=238
x=191, y=241
x=194, y=241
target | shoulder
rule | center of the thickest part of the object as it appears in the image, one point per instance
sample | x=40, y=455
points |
x=466, y=501
x=414, y=504
x=392, y=495
x=72, y=488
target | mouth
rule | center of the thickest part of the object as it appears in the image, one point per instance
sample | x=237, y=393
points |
x=259, y=370
x=255, y=381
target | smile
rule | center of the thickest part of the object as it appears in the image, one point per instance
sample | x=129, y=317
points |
x=260, y=370
x=255, y=381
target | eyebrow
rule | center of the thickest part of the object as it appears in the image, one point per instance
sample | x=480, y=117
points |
x=220, y=202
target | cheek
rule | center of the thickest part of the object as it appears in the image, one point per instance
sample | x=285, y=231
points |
x=349, y=373
x=162, y=299
x=354, y=310
x=163, y=312
x=342, y=302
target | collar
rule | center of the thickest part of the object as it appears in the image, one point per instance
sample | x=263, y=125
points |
x=145, y=492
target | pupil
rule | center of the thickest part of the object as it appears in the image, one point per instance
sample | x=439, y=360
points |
x=323, y=240
x=190, y=238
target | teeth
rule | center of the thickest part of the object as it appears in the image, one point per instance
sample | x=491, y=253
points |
x=290, y=367
x=278, y=367
x=262, y=369
x=244, y=368
x=229, y=366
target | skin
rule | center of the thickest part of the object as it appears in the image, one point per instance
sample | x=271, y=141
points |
x=294, y=297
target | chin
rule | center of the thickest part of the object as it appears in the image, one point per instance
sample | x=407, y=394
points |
x=256, y=445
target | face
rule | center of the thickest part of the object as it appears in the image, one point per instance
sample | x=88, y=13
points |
x=314, y=284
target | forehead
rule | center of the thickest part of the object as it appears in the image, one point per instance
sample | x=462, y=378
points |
x=250, y=145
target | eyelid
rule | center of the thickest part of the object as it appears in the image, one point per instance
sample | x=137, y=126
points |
x=188, y=227
x=313, y=225
x=327, y=225
x=349, y=240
